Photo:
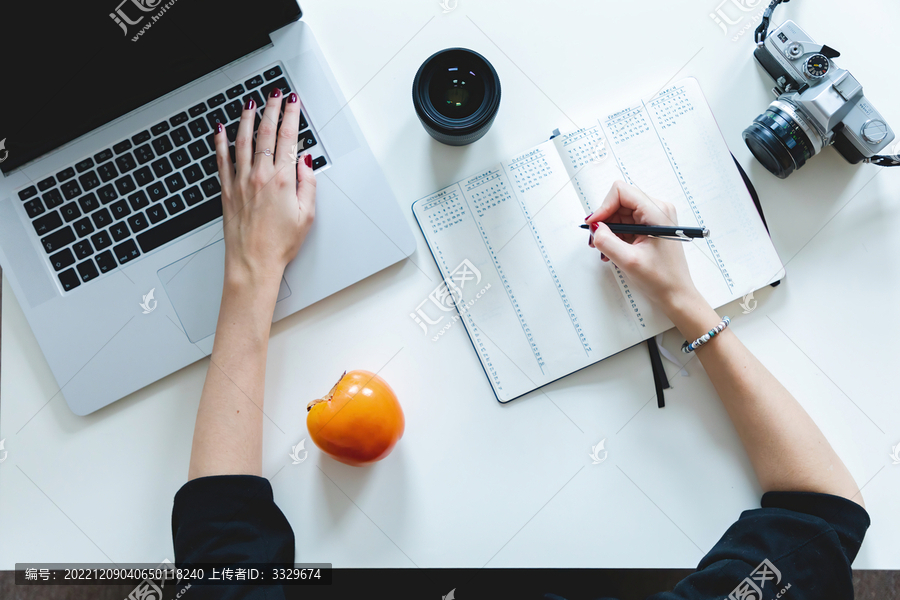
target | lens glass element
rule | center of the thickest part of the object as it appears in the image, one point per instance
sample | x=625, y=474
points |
x=455, y=92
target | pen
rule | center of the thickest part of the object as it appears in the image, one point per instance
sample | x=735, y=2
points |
x=675, y=233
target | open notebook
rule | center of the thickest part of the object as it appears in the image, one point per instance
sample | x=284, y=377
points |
x=537, y=303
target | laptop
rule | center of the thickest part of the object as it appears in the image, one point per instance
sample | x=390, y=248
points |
x=110, y=208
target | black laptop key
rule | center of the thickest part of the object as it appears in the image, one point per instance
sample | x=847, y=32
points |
x=47, y=223
x=84, y=165
x=70, y=189
x=211, y=186
x=69, y=280
x=198, y=127
x=180, y=136
x=103, y=156
x=83, y=227
x=174, y=204
x=156, y=191
x=87, y=270
x=162, y=145
x=28, y=192
x=89, y=203
x=272, y=73
x=175, y=183
x=52, y=199
x=318, y=163
x=144, y=154
x=138, y=222
x=302, y=124
x=254, y=95
x=235, y=91
x=102, y=218
x=255, y=81
x=70, y=212
x=196, y=111
x=46, y=184
x=65, y=174
x=62, y=259
x=89, y=180
x=138, y=200
x=234, y=110
x=156, y=213
x=198, y=150
x=192, y=195
x=162, y=167
x=143, y=176
x=34, y=207
x=193, y=173
x=178, y=119
x=140, y=138
x=122, y=146
x=231, y=131
x=119, y=209
x=216, y=116
x=106, y=262
x=305, y=140
x=179, y=225
x=58, y=239
x=126, y=162
x=107, y=194
x=125, y=185
x=107, y=172
x=281, y=84
x=101, y=240
x=231, y=154
x=119, y=231
x=82, y=249
x=216, y=100
x=210, y=165
x=126, y=251
x=159, y=128
x=179, y=158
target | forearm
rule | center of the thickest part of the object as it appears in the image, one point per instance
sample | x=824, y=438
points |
x=228, y=431
x=786, y=448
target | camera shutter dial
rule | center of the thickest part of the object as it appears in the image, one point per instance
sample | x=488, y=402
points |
x=817, y=66
x=874, y=131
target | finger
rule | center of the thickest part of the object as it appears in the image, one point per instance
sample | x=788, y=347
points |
x=268, y=127
x=223, y=159
x=306, y=186
x=611, y=245
x=622, y=195
x=243, y=143
x=286, y=150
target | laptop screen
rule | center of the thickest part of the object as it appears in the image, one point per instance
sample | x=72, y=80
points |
x=70, y=67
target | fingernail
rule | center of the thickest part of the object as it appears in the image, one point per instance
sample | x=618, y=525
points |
x=292, y=98
x=276, y=93
x=219, y=128
x=594, y=227
x=602, y=256
x=591, y=241
x=308, y=160
x=589, y=216
x=250, y=104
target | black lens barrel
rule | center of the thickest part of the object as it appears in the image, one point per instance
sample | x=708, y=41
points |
x=778, y=141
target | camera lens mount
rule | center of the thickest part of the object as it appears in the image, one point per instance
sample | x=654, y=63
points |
x=782, y=139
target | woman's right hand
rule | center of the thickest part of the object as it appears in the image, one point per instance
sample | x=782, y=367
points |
x=657, y=267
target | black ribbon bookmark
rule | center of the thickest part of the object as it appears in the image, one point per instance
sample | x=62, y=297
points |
x=660, y=380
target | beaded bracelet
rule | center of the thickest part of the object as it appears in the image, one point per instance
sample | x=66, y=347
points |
x=687, y=348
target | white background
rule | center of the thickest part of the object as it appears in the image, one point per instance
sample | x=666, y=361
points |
x=473, y=482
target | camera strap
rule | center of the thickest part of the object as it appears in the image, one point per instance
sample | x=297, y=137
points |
x=884, y=161
x=763, y=30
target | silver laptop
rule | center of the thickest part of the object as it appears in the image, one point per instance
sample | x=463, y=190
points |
x=110, y=210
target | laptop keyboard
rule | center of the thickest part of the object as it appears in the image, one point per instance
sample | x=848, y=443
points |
x=148, y=190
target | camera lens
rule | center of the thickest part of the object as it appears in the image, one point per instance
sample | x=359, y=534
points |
x=781, y=139
x=456, y=94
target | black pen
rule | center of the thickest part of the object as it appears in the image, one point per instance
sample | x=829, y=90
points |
x=671, y=233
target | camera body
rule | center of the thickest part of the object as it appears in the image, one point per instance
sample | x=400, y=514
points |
x=818, y=104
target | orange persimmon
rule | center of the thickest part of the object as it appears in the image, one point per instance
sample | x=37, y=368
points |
x=359, y=421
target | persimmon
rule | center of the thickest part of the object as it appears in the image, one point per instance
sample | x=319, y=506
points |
x=359, y=421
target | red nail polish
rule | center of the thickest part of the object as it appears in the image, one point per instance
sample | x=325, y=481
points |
x=250, y=105
x=594, y=227
x=276, y=93
x=292, y=99
x=588, y=217
x=308, y=160
x=591, y=241
x=219, y=128
x=602, y=256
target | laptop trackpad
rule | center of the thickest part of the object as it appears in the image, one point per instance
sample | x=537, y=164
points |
x=194, y=285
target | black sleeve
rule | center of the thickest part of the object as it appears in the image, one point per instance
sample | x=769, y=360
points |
x=799, y=541
x=230, y=519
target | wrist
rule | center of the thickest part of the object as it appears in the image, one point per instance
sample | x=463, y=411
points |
x=691, y=314
x=241, y=279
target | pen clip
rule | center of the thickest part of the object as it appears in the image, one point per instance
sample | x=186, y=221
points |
x=678, y=237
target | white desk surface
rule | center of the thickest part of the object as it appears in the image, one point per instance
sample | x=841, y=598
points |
x=473, y=482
